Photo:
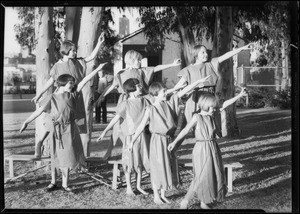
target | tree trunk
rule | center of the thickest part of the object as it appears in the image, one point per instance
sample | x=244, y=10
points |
x=72, y=23
x=188, y=40
x=44, y=59
x=284, y=56
x=88, y=37
x=225, y=86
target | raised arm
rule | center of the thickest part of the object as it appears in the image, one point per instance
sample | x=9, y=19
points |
x=192, y=86
x=109, y=126
x=49, y=83
x=232, y=100
x=183, y=133
x=32, y=117
x=140, y=128
x=162, y=67
x=234, y=52
x=96, y=49
x=89, y=76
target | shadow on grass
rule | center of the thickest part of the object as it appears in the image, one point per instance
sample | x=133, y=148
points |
x=19, y=146
x=22, y=136
x=266, y=191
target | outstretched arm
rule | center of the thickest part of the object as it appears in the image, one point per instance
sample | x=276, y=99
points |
x=181, y=83
x=232, y=100
x=96, y=49
x=183, y=133
x=192, y=86
x=234, y=52
x=162, y=67
x=140, y=128
x=106, y=91
x=89, y=76
x=32, y=117
x=109, y=126
x=49, y=83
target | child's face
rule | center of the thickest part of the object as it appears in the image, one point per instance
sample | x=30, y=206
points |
x=136, y=63
x=202, y=54
x=69, y=86
x=72, y=53
x=138, y=89
x=162, y=94
x=211, y=110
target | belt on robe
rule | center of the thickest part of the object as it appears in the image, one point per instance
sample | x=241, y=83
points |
x=163, y=135
x=57, y=132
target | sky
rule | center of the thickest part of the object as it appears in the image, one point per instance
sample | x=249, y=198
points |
x=11, y=46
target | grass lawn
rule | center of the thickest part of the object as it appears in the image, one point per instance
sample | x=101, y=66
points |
x=265, y=181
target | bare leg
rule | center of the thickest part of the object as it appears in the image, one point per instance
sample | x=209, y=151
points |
x=138, y=182
x=162, y=194
x=53, y=175
x=157, y=198
x=128, y=183
x=65, y=177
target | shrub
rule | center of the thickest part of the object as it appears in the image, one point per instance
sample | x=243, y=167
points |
x=262, y=97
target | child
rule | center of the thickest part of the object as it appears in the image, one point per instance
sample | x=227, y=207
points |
x=66, y=148
x=161, y=116
x=200, y=69
x=75, y=67
x=133, y=70
x=209, y=177
x=131, y=111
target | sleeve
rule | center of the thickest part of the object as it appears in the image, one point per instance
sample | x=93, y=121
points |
x=173, y=102
x=115, y=81
x=121, y=109
x=184, y=73
x=83, y=64
x=215, y=65
x=53, y=72
x=148, y=74
x=46, y=101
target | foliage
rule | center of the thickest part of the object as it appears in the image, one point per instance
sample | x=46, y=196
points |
x=269, y=97
x=268, y=25
x=160, y=21
x=25, y=33
x=108, y=52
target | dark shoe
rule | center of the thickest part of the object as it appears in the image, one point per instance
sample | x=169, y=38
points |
x=67, y=189
x=51, y=187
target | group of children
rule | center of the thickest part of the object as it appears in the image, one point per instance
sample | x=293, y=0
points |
x=145, y=123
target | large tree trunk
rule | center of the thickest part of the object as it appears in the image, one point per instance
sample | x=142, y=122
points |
x=188, y=40
x=72, y=23
x=225, y=85
x=88, y=37
x=44, y=59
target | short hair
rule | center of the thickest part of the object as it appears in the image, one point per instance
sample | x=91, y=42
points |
x=155, y=87
x=207, y=100
x=131, y=55
x=196, y=50
x=66, y=46
x=130, y=85
x=63, y=79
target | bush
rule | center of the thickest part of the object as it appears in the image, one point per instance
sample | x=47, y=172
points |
x=263, y=97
